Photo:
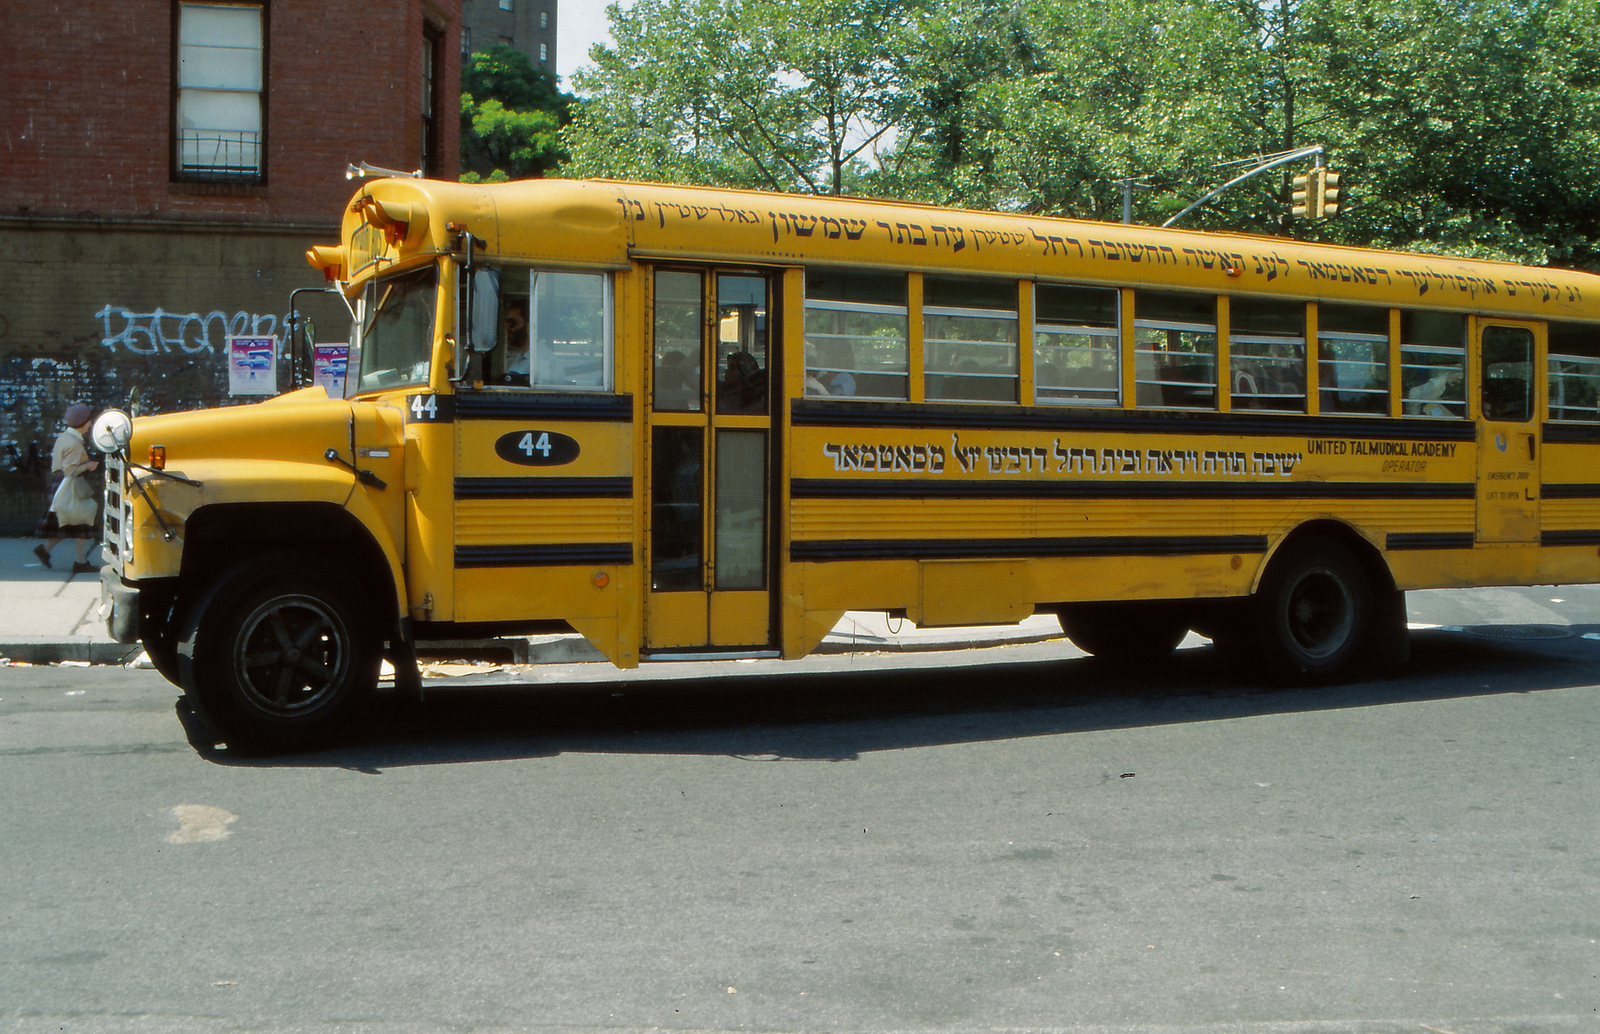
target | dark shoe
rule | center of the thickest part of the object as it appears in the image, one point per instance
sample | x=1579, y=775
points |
x=78, y=568
x=43, y=555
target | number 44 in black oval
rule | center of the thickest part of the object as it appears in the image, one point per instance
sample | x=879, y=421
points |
x=536, y=448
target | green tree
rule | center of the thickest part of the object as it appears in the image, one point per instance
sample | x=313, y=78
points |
x=782, y=95
x=1462, y=127
x=511, y=117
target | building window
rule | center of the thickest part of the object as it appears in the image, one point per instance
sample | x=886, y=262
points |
x=544, y=52
x=431, y=60
x=220, y=82
x=505, y=5
x=466, y=41
x=544, y=19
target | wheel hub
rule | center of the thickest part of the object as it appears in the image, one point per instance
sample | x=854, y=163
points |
x=292, y=654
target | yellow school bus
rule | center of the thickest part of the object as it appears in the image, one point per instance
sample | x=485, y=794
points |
x=688, y=421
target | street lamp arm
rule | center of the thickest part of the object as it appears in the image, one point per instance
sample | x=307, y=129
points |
x=1292, y=156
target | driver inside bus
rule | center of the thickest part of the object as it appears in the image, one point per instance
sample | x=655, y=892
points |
x=517, y=341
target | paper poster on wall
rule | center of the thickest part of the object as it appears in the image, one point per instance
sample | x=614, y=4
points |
x=328, y=365
x=252, y=365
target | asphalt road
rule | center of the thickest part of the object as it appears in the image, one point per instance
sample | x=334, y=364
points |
x=846, y=844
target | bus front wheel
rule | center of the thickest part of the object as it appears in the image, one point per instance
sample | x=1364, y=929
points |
x=280, y=657
x=1314, y=612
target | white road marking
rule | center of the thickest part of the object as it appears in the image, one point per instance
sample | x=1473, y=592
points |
x=199, y=823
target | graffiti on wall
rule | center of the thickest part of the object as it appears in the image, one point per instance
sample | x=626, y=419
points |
x=177, y=333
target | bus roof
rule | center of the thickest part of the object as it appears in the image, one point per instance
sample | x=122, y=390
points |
x=606, y=224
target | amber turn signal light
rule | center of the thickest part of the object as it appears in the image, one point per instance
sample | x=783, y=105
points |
x=158, y=457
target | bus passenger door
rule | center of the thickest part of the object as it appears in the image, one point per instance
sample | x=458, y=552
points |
x=1510, y=355
x=709, y=540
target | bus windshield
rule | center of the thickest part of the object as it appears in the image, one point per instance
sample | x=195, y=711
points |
x=397, y=330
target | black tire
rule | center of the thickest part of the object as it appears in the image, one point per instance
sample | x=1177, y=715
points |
x=278, y=657
x=1126, y=632
x=1313, y=612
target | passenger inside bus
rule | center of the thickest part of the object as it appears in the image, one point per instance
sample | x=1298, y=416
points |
x=744, y=385
x=832, y=375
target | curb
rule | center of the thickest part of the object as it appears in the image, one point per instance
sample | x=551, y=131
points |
x=552, y=649
x=48, y=652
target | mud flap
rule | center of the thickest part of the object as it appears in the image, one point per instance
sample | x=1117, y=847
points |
x=1391, y=634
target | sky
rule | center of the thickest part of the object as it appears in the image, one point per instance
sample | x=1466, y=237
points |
x=579, y=25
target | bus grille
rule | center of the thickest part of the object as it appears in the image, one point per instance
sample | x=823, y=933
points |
x=116, y=537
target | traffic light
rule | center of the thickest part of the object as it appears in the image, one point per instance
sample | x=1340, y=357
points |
x=1300, y=199
x=1328, y=195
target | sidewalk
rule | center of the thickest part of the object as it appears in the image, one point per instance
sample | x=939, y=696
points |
x=49, y=615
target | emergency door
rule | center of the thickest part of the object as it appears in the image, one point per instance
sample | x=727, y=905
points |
x=710, y=439
x=1509, y=358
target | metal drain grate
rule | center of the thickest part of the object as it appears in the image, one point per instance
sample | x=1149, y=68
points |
x=1521, y=631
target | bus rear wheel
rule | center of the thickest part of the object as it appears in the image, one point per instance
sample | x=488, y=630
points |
x=1124, y=631
x=280, y=658
x=1314, y=612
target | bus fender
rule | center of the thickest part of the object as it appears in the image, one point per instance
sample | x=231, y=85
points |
x=360, y=507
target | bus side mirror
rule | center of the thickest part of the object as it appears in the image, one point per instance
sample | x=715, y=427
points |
x=485, y=309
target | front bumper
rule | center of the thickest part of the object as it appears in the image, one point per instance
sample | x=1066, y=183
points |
x=119, y=604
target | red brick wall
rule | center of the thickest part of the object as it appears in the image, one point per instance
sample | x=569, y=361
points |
x=117, y=282
x=85, y=123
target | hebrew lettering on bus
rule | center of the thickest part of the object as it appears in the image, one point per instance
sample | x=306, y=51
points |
x=888, y=459
x=1056, y=458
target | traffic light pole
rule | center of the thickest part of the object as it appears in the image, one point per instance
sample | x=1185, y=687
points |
x=1315, y=151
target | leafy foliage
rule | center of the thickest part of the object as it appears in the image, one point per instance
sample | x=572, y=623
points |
x=1461, y=127
x=511, y=117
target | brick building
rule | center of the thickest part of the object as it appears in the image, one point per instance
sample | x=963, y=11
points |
x=164, y=166
x=525, y=25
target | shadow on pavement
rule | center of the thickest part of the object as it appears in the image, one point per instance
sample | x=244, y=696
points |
x=840, y=715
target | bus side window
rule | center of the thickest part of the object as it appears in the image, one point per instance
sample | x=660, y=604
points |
x=1077, y=345
x=1574, y=365
x=570, y=327
x=1175, y=350
x=1353, y=359
x=1433, y=363
x=1267, y=355
x=969, y=339
x=857, y=334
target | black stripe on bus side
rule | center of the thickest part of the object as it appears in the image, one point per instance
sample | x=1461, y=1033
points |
x=934, y=488
x=545, y=488
x=973, y=549
x=497, y=405
x=966, y=417
x=1570, y=538
x=1585, y=491
x=1569, y=434
x=566, y=554
x=1429, y=540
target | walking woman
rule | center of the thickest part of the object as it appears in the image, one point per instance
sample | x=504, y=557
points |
x=74, y=505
